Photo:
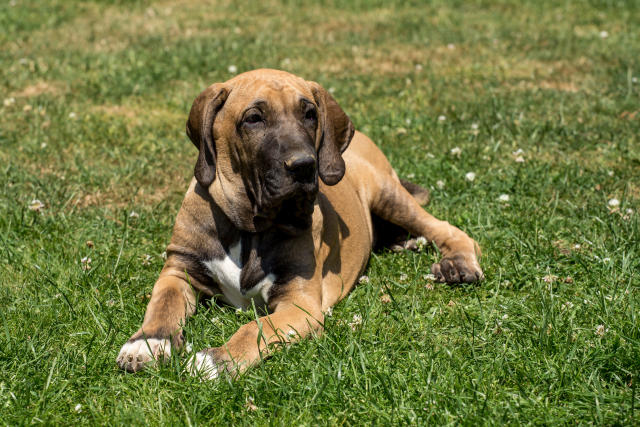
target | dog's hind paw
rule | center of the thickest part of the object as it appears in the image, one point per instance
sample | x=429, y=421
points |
x=134, y=355
x=457, y=269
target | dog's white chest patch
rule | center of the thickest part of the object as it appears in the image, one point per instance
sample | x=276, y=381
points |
x=226, y=272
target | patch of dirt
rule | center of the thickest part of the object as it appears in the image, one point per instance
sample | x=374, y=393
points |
x=123, y=196
x=39, y=88
x=546, y=85
x=136, y=115
x=132, y=114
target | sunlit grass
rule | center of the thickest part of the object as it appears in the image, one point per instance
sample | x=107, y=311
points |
x=540, y=100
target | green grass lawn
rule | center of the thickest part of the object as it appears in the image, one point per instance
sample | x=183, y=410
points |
x=95, y=97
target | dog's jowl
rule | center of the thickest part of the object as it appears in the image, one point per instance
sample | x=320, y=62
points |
x=285, y=206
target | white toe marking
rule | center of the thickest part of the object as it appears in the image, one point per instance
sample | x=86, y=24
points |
x=204, y=366
x=144, y=350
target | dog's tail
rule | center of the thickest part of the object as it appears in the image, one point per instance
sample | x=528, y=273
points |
x=420, y=194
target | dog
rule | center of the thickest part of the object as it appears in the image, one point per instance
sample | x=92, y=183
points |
x=285, y=206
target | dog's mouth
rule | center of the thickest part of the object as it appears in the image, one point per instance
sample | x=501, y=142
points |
x=292, y=215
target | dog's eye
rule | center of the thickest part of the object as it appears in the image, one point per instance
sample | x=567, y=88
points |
x=311, y=114
x=253, y=118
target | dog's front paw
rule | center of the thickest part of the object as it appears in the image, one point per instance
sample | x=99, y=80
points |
x=135, y=354
x=203, y=364
x=458, y=269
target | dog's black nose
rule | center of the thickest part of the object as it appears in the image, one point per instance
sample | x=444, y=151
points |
x=302, y=167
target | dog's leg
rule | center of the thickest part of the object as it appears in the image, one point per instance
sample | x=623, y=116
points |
x=172, y=301
x=290, y=322
x=392, y=236
x=392, y=202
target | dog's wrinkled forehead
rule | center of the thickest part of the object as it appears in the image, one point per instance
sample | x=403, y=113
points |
x=280, y=88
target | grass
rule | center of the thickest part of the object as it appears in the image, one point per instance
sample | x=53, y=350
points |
x=95, y=98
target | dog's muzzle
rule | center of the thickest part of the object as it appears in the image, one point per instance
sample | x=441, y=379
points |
x=291, y=188
x=302, y=168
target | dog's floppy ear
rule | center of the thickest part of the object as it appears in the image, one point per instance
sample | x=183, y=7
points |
x=200, y=130
x=336, y=131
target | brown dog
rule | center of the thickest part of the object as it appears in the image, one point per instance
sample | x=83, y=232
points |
x=257, y=223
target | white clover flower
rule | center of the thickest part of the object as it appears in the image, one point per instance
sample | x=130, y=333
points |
x=407, y=121
x=519, y=159
x=614, y=202
x=503, y=198
x=146, y=259
x=357, y=321
x=610, y=173
x=329, y=312
x=567, y=305
x=474, y=126
x=72, y=115
x=470, y=176
x=442, y=118
x=78, y=408
x=85, y=263
x=628, y=213
x=363, y=279
x=456, y=151
x=232, y=69
x=385, y=299
x=9, y=101
x=429, y=276
x=403, y=277
x=440, y=184
x=134, y=214
x=332, y=90
x=604, y=34
x=505, y=316
x=634, y=80
x=601, y=330
x=518, y=152
x=43, y=145
x=411, y=175
x=430, y=156
x=421, y=241
x=418, y=67
x=36, y=205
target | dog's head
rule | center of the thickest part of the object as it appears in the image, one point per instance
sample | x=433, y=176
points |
x=264, y=137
